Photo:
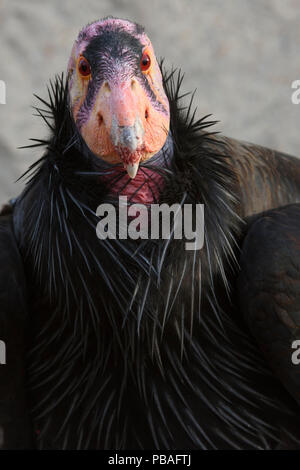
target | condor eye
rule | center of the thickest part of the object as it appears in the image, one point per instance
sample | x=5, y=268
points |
x=145, y=62
x=84, y=67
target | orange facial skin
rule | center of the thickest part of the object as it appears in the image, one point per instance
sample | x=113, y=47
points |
x=127, y=121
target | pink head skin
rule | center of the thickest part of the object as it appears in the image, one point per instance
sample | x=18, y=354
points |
x=116, y=93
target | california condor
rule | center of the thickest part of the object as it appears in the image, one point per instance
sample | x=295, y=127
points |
x=127, y=344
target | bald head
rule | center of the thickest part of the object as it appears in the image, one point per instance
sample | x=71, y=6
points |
x=116, y=93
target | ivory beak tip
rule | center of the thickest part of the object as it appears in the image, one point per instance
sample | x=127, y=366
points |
x=132, y=169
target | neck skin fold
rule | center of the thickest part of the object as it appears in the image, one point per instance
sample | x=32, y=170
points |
x=148, y=182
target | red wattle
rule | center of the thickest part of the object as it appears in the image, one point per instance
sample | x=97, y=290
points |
x=143, y=189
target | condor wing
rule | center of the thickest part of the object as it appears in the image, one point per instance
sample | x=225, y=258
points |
x=269, y=290
x=15, y=430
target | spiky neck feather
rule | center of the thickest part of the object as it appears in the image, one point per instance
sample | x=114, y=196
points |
x=118, y=321
x=66, y=187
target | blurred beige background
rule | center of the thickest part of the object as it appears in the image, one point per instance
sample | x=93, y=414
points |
x=241, y=55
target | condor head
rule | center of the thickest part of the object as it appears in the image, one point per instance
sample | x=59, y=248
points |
x=116, y=93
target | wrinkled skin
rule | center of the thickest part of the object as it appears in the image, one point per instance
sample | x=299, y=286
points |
x=120, y=107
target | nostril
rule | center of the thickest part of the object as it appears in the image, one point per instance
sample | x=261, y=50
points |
x=146, y=114
x=106, y=87
x=133, y=84
x=100, y=118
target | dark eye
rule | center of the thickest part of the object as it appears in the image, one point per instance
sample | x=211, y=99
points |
x=145, y=62
x=84, y=67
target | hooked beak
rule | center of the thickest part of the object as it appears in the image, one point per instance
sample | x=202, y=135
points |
x=132, y=169
x=125, y=117
x=128, y=141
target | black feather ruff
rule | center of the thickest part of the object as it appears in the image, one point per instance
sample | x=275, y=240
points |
x=136, y=344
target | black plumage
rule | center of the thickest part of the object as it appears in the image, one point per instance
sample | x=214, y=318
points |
x=142, y=344
x=269, y=289
x=15, y=427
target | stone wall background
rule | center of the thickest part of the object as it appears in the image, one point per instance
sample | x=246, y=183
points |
x=241, y=55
